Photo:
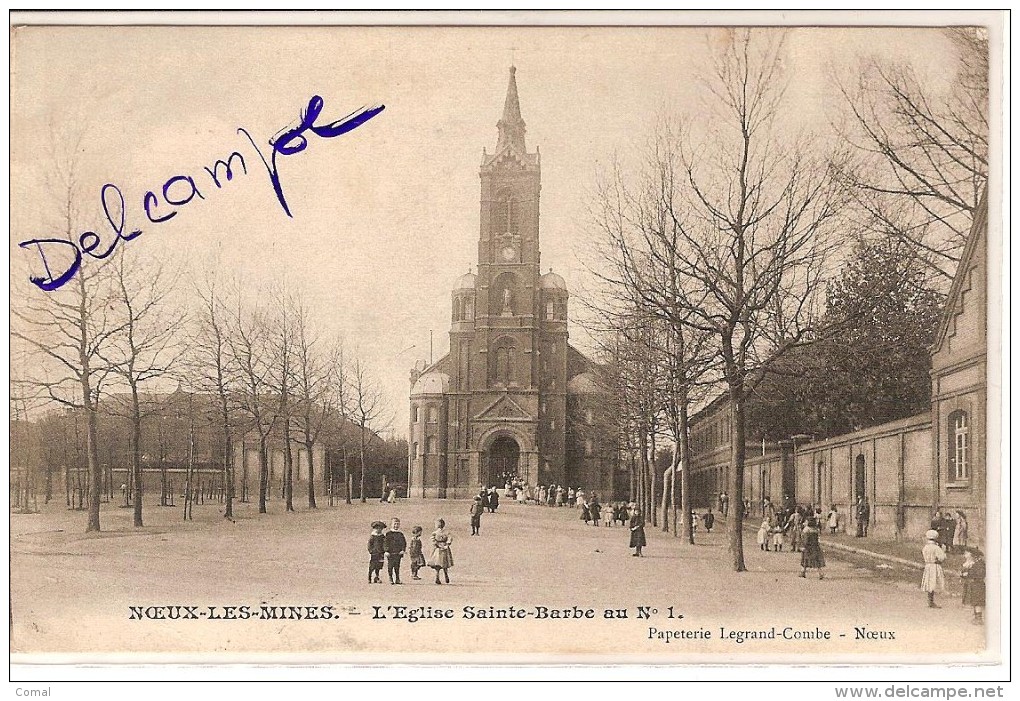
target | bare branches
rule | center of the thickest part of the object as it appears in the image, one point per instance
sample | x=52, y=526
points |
x=921, y=156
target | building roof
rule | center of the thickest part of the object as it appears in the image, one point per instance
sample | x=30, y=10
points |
x=431, y=383
x=466, y=281
x=582, y=384
x=552, y=281
x=973, y=247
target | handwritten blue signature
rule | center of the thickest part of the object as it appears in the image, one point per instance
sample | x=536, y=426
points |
x=181, y=189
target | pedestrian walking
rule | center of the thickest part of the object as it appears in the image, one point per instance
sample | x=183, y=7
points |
x=637, y=530
x=933, y=580
x=860, y=516
x=709, y=520
x=812, y=556
x=974, y=582
x=571, y=498
x=724, y=504
x=493, y=500
x=415, y=552
x=476, y=511
x=396, y=546
x=586, y=513
x=596, y=512
x=441, y=559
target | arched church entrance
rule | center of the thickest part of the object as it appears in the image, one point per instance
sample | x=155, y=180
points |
x=503, y=458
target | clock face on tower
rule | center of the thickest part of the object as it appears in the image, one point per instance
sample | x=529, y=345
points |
x=508, y=253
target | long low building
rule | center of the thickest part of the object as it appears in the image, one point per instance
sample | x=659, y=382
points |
x=905, y=469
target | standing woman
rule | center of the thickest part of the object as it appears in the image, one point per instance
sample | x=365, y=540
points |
x=960, y=534
x=974, y=582
x=637, y=530
x=442, y=555
x=933, y=580
x=811, y=556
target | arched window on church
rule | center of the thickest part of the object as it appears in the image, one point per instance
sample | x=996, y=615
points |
x=550, y=310
x=458, y=313
x=469, y=309
x=505, y=213
x=502, y=369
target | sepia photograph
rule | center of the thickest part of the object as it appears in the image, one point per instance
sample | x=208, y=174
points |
x=507, y=339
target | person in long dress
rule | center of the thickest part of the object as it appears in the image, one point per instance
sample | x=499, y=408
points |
x=933, y=580
x=960, y=535
x=637, y=530
x=812, y=557
x=441, y=559
x=974, y=582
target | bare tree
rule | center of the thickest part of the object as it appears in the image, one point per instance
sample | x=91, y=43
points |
x=366, y=406
x=313, y=388
x=146, y=349
x=729, y=235
x=64, y=331
x=213, y=368
x=282, y=380
x=251, y=349
x=922, y=153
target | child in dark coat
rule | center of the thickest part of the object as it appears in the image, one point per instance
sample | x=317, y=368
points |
x=376, y=552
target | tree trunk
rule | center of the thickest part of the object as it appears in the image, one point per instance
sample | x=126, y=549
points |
x=653, y=478
x=263, y=472
x=362, y=487
x=136, y=455
x=228, y=474
x=311, y=474
x=95, y=469
x=347, y=477
x=683, y=450
x=667, y=478
x=737, y=450
x=288, y=468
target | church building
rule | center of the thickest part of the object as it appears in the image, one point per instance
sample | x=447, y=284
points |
x=510, y=398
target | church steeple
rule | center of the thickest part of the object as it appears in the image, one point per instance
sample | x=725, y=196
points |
x=511, y=125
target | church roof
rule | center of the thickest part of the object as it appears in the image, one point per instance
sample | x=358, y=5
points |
x=552, y=281
x=431, y=383
x=512, y=104
x=465, y=282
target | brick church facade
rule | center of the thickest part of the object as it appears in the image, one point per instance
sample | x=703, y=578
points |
x=509, y=399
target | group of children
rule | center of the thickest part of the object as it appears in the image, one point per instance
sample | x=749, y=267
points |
x=604, y=514
x=390, y=547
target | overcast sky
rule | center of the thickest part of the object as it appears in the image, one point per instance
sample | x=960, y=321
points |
x=385, y=217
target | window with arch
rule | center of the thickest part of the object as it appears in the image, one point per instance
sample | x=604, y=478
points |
x=550, y=310
x=469, y=309
x=430, y=445
x=505, y=213
x=959, y=446
x=414, y=414
x=501, y=368
x=414, y=450
x=458, y=310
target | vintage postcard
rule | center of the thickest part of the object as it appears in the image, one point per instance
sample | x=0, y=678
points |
x=599, y=339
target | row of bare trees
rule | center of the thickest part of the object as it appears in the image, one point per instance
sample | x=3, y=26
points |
x=716, y=249
x=129, y=329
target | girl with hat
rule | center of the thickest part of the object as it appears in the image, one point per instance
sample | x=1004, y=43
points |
x=934, y=579
x=442, y=556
